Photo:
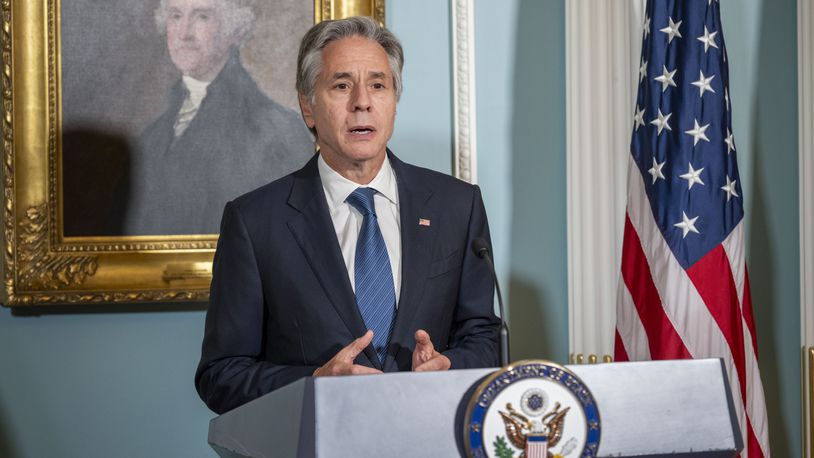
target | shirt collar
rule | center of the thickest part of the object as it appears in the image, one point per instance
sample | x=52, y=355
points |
x=338, y=188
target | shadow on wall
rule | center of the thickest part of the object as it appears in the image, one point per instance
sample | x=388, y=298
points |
x=538, y=283
x=762, y=303
x=108, y=309
x=6, y=444
x=527, y=319
x=96, y=182
x=773, y=242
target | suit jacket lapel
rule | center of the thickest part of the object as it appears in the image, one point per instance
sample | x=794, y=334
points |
x=416, y=243
x=315, y=234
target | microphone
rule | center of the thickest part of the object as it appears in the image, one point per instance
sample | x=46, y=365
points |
x=481, y=248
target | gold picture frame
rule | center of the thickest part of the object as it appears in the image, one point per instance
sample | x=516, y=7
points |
x=41, y=265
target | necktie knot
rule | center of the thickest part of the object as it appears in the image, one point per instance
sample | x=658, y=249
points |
x=362, y=200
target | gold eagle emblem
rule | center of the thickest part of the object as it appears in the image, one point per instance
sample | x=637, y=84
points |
x=518, y=426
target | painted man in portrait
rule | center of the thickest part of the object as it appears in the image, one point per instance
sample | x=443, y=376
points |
x=220, y=136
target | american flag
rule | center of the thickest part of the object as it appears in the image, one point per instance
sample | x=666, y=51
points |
x=684, y=288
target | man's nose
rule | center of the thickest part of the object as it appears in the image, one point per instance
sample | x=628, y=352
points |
x=186, y=26
x=360, y=99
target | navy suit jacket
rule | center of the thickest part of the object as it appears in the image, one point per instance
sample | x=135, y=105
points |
x=281, y=301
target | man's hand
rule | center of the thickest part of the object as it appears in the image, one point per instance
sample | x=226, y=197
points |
x=425, y=358
x=342, y=362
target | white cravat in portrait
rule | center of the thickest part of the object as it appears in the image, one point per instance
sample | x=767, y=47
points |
x=196, y=91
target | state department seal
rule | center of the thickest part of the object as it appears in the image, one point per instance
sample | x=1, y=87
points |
x=532, y=409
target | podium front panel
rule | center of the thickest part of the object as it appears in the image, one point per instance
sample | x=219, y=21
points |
x=647, y=409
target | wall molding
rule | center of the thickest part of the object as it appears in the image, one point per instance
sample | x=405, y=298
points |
x=805, y=65
x=603, y=42
x=463, y=90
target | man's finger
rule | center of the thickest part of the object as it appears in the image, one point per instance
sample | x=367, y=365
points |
x=431, y=365
x=361, y=370
x=422, y=339
x=437, y=363
x=357, y=346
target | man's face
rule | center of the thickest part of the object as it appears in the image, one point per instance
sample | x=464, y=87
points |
x=354, y=104
x=195, y=38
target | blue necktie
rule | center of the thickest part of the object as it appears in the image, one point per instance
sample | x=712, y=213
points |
x=375, y=293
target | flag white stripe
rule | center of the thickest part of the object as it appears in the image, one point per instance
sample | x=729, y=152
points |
x=629, y=324
x=733, y=245
x=755, y=404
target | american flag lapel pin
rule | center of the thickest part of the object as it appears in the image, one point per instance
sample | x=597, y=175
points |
x=423, y=222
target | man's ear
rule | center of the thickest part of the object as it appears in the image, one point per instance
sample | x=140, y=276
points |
x=307, y=112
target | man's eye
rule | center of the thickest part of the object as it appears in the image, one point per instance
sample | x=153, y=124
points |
x=204, y=17
x=378, y=86
x=175, y=16
x=342, y=86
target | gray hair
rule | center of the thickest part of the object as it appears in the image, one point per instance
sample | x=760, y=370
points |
x=237, y=15
x=309, y=61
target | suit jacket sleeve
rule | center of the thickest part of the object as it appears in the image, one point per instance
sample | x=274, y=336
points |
x=232, y=370
x=473, y=338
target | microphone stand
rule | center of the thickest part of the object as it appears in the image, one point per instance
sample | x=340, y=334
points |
x=481, y=248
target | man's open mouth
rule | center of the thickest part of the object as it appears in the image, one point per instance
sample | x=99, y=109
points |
x=362, y=130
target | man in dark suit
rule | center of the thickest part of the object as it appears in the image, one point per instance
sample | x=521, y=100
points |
x=357, y=263
x=220, y=136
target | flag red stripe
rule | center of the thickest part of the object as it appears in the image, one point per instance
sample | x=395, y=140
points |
x=712, y=277
x=663, y=339
x=619, y=352
x=747, y=311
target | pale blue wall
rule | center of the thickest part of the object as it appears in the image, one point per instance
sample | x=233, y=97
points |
x=101, y=385
x=520, y=62
x=120, y=384
x=423, y=133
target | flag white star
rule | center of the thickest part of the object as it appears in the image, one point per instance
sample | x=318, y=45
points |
x=708, y=39
x=638, y=118
x=662, y=122
x=730, y=188
x=655, y=171
x=646, y=27
x=726, y=97
x=698, y=132
x=672, y=30
x=693, y=176
x=666, y=78
x=730, y=142
x=643, y=70
x=687, y=224
x=703, y=84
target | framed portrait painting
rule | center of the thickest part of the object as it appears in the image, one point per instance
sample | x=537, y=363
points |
x=127, y=126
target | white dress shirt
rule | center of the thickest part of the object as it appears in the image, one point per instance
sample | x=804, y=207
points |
x=347, y=220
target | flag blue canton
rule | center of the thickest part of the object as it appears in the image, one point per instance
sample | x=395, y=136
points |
x=682, y=136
